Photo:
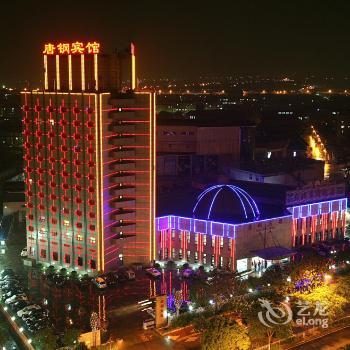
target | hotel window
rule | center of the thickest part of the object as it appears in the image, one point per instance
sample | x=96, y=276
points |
x=43, y=253
x=204, y=239
x=92, y=240
x=79, y=238
x=221, y=261
x=67, y=258
x=80, y=261
x=166, y=254
x=221, y=242
x=55, y=256
x=195, y=257
x=204, y=258
x=188, y=234
x=173, y=253
x=66, y=223
x=212, y=260
x=172, y=234
x=188, y=255
x=196, y=238
x=213, y=241
x=180, y=254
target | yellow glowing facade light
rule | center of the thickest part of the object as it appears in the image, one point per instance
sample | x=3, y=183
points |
x=46, y=74
x=70, y=81
x=58, y=80
x=96, y=70
x=133, y=67
x=82, y=72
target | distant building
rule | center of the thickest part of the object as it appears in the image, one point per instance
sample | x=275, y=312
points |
x=230, y=132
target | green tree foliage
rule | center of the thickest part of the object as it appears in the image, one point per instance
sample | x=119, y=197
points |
x=45, y=339
x=221, y=333
x=71, y=336
x=328, y=295
x=259, y=333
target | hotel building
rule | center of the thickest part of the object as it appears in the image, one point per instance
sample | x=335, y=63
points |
x=89, y=152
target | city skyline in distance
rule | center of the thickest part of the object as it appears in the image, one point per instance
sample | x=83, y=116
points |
x=185, y=40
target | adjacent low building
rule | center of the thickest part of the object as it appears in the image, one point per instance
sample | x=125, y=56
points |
x=227, y=228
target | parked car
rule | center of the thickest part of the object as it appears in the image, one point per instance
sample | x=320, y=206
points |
x=99, y=282
x=153, y=272
x=11, y=293
x=27, y=309
x=19, y=305
x=24, y=252
x=7, y=272
x=187, y=273
x=16, y=298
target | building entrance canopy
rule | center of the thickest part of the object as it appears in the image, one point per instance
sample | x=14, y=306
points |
x=273, y=253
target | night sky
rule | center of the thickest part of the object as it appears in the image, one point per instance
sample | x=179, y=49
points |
x=183, y=39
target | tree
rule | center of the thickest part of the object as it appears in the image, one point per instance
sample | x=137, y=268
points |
x=4, y=336
x=45, y=339
x=259, y=332
x=307, y=273
x=221, y=333
x=71, y=336
x=328, y=296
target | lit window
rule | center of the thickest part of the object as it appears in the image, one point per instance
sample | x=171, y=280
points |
x=188, y=234
x=42, y=218
x=79, y=238
x=188, y=255
x=172, y=234
x=221, y=242
x=196, y=238
x=204, y=239
x=195, y=257
x=204, y=258
x=221, y=261
x=66, y=223
x=92, y=240
x=213, y=241
x=180, y=254
x=173, y=253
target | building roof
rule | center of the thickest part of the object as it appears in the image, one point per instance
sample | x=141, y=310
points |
x=225, y=203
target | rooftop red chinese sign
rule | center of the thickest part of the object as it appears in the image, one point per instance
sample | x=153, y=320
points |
x=72, y=48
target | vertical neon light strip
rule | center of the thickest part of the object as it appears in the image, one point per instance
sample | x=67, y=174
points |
x=96, y=70
x=101, y=181
x=133, y=67
x=46, y=73
x=70, y=81
x=58, y=80
x=154, y=159
x=82, y=66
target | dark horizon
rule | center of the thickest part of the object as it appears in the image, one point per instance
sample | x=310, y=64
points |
x=183, y=40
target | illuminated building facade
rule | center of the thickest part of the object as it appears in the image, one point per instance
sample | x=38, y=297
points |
x=216, y=237
x=89, y=151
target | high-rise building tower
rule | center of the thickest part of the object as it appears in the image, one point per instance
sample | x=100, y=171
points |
x=89, y=150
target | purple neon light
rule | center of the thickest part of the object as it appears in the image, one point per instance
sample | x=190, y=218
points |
x=249, y=198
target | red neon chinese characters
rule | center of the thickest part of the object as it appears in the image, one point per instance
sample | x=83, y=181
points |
x=77, y=47
x=93, y=47
x=63, y=48
x=49, y=49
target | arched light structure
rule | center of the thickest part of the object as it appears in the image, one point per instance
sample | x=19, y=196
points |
x=249, y=206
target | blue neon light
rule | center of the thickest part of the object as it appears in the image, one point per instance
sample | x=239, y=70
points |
x=242, y=195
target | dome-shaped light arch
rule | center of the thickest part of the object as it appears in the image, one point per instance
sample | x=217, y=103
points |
x=247, y=202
